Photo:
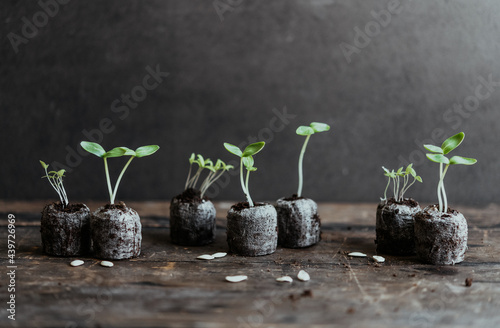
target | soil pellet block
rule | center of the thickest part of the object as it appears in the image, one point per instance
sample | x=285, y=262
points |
x=298, y=222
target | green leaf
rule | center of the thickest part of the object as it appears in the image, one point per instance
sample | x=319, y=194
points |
x=233, y=149
x=60, y=173
x=452, y=142
x=418, y=178
x=145, y=151
x=438, y=158
x=319, y=127
x=304, y=130
x=400, y=171
x=248, y=161
x=413, y=172
x=434, y=149
x=251, y=169
x=386, y=170
x=45, y=166
x=219, y=165
x=115, y=152
x=253, y=149
x=93, y=148
x=462, y=160
x=192, y=158
x=228, y=167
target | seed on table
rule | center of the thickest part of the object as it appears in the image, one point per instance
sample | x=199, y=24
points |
x=236, y=278
x=205, y=257
x=304, y=276
x=284, y=279
x=107, y=264
x=357, y=254
x=218, y=255
x=378, y=259
x=76, y=263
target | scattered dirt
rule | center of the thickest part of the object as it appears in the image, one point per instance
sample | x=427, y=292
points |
x=294, y=197
x=242, y=205
x=468, y=282
x=407, y=201
x=70, y=208
x=191, y=195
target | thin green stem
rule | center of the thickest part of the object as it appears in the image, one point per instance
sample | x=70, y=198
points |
x=245, y=191
x=120, y=178
x=440, y=199
x=445, y=199
x=301, y=160
x=250, y=202
x=108, y=180
x=385, y=191
x=189, y=176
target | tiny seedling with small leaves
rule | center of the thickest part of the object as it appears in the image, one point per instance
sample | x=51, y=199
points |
x=216, y=171
x=56, y=181
x=395, y=177
x=98, y=151
x=307, y=131
x=437, y=156
x=246, y=159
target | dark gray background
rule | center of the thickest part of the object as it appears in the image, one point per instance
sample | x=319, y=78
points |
x=230, y=72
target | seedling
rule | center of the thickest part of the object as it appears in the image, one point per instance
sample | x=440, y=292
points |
x=246, y=159
x=395, y=177
x=216, y=171
x=307, y=131
x=437, y=155
x=97, y=150
x=56, y=181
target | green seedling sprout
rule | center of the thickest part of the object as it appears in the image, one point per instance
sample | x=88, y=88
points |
x=97, y=150
x=216, y=171
x=246, y=159
x=307, y=131
x=56, y=181
x=395, y=177
x=437, y=156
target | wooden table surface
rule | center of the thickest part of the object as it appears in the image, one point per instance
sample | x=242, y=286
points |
x=168, y=286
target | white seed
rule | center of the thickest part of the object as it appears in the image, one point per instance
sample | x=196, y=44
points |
x=218, y=255
x=357, y=254
x=76, y=263
x=378, y=259
x=107, y=264
x=236, y=278
x=304, y=276
x=205, y=257
x=284, y=279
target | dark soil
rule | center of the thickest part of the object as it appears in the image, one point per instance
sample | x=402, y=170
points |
x=468, y=282
x=120, y=206
x=242, y=205
x=406, y=201
x=448, y=213
x=294, y=197
x=70, y=208
x=191, y=195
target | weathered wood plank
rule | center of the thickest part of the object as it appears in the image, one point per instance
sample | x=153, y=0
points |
x=168, y=286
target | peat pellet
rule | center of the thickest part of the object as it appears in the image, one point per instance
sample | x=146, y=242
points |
x=298, y=222
x=65, y=231
x=394, y=227
x=192, y=219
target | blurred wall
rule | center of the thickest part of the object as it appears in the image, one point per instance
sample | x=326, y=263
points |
x=388, y=76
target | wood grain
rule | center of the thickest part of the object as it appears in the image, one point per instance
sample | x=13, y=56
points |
x=168, y=286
